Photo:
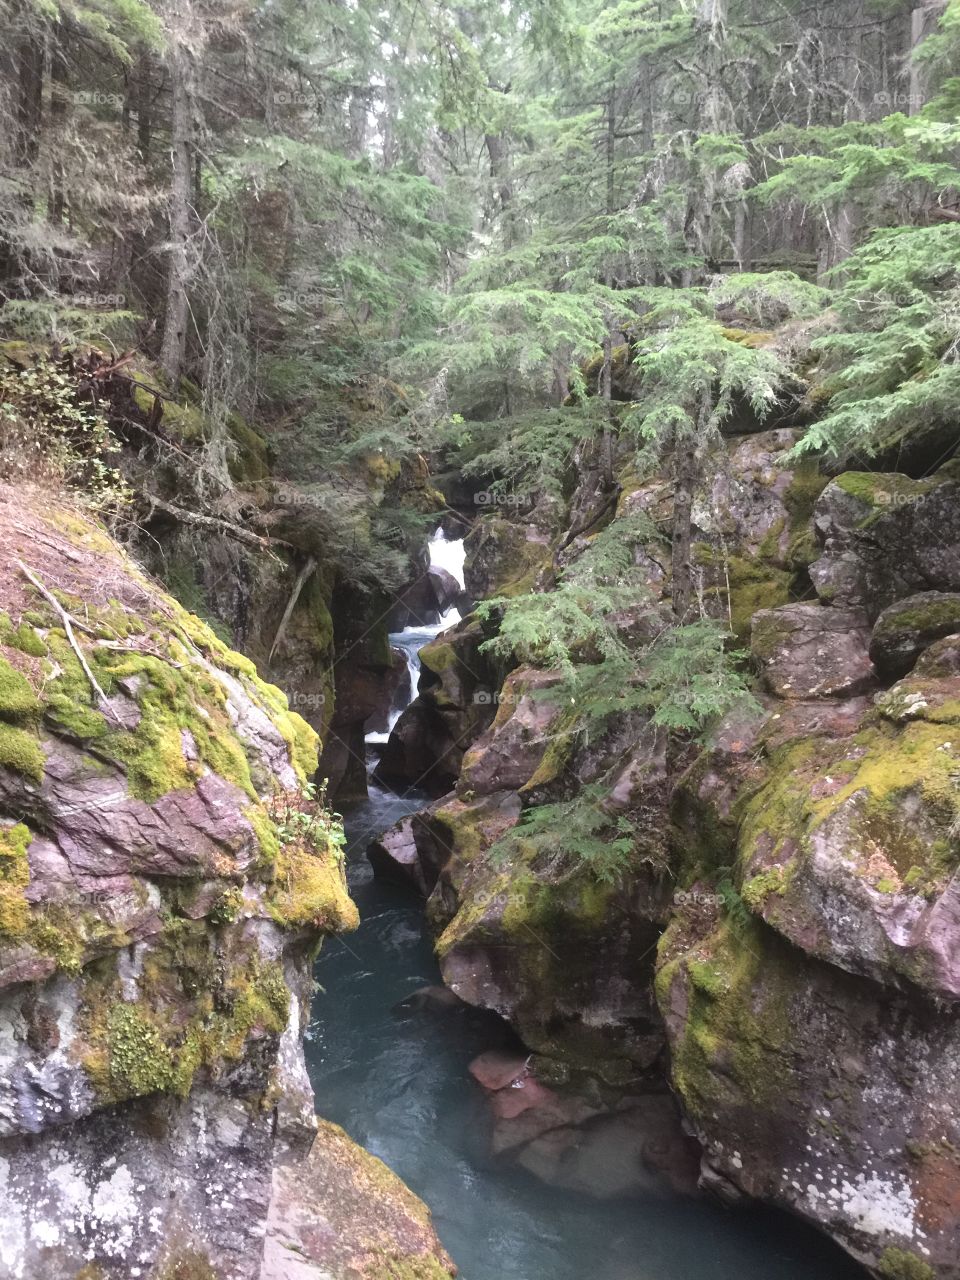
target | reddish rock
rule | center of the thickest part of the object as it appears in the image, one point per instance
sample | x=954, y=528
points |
x=808, y=651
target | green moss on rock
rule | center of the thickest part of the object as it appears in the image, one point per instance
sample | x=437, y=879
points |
x=746, y=585
x=897, y=1264
x=139, y=1061
x=23, y=637
x=18, y=702
x=20, y=751
x=14, y=878
x=758, y=888
x=737, y=1033
x=309, y=889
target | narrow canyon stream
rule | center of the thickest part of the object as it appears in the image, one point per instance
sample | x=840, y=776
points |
x=394, y=1075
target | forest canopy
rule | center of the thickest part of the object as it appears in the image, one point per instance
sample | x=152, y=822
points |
x=531, y=236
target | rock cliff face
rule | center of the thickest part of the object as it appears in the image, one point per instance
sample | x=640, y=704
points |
x=802, y=874
x=164, y=885
x=814, y=1037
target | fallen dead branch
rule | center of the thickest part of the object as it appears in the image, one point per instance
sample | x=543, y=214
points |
x=67, y=621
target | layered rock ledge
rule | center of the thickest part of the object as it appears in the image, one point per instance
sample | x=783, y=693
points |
x=165, y=882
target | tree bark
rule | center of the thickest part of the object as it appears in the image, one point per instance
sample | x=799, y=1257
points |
x=29, y=59
x=500, y=174
x=606, y=378
x=686, y=476
x=681, y=536
x=173, y=345
x=58, y=119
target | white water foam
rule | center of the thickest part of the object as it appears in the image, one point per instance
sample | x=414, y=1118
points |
x=443, y=554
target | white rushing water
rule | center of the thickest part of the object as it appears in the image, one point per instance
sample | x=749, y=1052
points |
x=444, y=554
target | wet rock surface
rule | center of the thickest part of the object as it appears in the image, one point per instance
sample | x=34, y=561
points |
x=455, y=702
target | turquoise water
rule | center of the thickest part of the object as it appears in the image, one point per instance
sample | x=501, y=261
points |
x=397, y=1082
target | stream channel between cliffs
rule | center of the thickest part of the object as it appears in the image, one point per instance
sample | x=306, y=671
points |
x=395, y=1077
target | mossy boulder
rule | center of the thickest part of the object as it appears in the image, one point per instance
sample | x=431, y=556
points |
x=885, y=536
x=753, y=530
x=812, y=1089
x=561, y=956
x=505, y=557
x=909, y=626
x=529, y=741
x=345, y=1216
x=532, y=931
x=850, y=850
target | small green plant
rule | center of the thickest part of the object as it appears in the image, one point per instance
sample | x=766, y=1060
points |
x=683, y=674
x=579, y=831
x=48, y=433
x=301, y=817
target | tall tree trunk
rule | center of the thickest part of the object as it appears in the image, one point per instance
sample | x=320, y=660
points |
x=173, y=345
x=922, y=21
x=686, y=475
x=500, y=174
x=58, y=118
x=606, y=379
x=143, y=97
x=29, y=60
x=25, y=105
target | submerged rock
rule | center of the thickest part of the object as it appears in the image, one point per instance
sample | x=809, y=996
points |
x=606, y=1147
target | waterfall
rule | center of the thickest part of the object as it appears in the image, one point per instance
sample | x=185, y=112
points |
x=447, y=555
x=443, y=554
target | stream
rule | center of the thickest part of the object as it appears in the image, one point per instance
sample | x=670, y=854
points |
x=396, y=1079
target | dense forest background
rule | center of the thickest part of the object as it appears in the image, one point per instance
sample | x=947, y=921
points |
x=535, y=240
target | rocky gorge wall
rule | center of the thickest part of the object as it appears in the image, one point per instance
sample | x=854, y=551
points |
x=785, y=947
x=165, y=882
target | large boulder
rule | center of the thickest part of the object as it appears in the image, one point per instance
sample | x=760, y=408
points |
x=806, y=651
x=818, y=1091
x=909, y=626
x=752, y=526
x=813, y=1007
x=505, y=556
x=539, y=934
x=528, y=741
x=164, y=885
x=885, y=536
x=340, y=1214
x=455, y=702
